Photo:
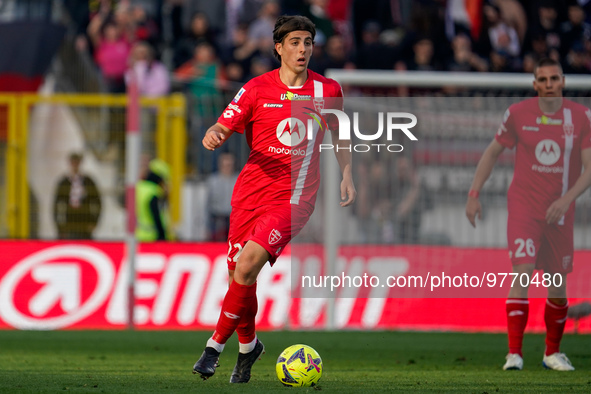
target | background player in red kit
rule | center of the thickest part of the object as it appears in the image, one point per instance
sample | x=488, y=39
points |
x=552, y=139
x=275, y=193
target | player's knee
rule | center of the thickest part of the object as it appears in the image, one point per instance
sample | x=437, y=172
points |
x=244, y=266
x=557, y=295
x=247, y=269
x=523, y=268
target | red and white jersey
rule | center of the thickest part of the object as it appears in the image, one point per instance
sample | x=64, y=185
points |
x=283, y=165
x=548, y=153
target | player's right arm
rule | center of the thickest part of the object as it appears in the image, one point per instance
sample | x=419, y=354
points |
x=215, y=136
x=483, y=171
x=348, y=192
x=559, y=207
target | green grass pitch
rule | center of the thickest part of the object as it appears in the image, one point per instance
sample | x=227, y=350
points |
x=354, y=362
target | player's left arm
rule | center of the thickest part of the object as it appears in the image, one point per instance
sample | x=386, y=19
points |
x=348, y=192
x=559, y=207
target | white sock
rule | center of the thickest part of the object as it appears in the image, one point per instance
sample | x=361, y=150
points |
x=247, y=347
x=217, y=346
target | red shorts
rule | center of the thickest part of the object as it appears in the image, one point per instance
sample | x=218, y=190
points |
x=549, y=246
x=271, y=226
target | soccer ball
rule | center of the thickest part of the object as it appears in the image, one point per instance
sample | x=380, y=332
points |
x=299, y=365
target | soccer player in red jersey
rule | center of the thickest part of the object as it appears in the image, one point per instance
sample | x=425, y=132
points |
x=552, y=138
x=276, y=190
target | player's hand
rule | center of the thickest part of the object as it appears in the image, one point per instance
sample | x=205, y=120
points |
x=557, y=209
x=348, y=192
x=473, y=209
x=213, y=139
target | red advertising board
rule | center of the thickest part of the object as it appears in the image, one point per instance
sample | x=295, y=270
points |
x=83, y=285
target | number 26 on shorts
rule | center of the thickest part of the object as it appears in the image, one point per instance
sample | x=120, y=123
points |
x=525, y=247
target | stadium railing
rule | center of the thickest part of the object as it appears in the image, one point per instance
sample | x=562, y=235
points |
x=41, y=130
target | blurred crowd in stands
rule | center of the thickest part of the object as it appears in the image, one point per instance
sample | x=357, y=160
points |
x=225, y=42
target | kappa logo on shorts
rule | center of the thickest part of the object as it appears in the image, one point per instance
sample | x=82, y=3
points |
x=274, y=237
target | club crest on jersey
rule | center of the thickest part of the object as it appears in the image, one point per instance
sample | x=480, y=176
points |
x=274, y=237
x=547, y=152
x=318, y=104
x=569, y=129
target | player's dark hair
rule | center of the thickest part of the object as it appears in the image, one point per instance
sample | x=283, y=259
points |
x=285, y=24
x=546, y=61
x=75, y=156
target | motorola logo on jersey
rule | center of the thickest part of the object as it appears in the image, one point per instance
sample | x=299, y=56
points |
x=547, y=152
x=291, y=131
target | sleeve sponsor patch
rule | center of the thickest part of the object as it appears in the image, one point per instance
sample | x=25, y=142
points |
x=238, y=95
x=506, y=116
